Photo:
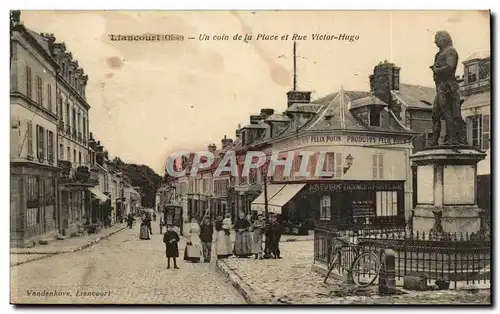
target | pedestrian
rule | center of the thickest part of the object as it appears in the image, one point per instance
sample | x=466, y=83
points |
x=171, y=238
x=276, y=230
x=242, y=242
x=259, y=228
x=148, y=223
x=192, y=253
x=223, y=245
x=144, y=231
x=206, y=237
x=130, y=220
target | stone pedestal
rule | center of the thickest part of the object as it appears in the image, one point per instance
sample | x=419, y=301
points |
x=446, y=189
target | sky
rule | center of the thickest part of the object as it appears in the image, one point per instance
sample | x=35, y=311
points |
x=150, y=98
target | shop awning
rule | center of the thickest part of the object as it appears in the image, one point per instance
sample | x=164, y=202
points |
x=272, y=190
x=98, y=194
x=283, y=197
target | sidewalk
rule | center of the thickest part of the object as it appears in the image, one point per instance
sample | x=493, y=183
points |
x=20, y=256
x=291, y=281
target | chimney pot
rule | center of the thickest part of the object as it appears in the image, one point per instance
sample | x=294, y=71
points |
x=266, y=113
x=298, y=97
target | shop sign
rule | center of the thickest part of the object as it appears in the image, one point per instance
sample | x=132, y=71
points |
x=355, y=186
x=340, y=139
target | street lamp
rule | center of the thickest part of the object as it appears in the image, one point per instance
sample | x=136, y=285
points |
x=267, y=253
x=348, y=161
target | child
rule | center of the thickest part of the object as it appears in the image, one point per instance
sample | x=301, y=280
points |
x=171, y=238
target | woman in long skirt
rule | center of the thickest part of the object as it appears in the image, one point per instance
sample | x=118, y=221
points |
x=259, y=227
x=223, y=229
x=242, y=242
x=192, y=253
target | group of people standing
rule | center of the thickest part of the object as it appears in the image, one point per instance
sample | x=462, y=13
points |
x=257, y=238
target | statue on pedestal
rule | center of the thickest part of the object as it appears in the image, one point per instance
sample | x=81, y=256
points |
x=447, y=102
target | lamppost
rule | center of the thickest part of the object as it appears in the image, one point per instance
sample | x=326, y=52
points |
x=264, y=170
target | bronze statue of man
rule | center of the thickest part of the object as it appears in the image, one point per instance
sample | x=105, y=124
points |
x=447, y=102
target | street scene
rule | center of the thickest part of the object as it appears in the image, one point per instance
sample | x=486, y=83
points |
x=250, y=163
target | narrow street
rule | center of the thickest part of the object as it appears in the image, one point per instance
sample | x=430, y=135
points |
x=125, y=270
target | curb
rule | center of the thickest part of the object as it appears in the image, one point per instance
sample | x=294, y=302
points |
x=243, y=289
x=50, y=254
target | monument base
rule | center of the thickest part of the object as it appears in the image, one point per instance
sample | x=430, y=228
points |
x=454, y=219
x=446, y=190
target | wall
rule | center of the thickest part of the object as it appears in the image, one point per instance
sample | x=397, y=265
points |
x=483, y=167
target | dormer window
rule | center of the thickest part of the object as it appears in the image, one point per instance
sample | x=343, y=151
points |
x=375, y=116
x=471, y=73
x=484, y=69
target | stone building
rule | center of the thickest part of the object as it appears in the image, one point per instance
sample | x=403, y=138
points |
x=476, y=110
x=33, y=138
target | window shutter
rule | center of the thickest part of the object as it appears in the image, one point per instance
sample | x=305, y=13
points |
x=338, y=165
x=374, y=166
x=381, y=166
x=485, y=141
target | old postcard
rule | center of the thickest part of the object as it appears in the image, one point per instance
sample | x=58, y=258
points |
x=250, y=157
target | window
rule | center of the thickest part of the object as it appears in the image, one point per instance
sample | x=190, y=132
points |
x=74, y=118
x=325, y=209
x=61, y=151
x=49, y=96
x=471, y=73
x=60, y=107
x=40, y=140
x=485, y=140
x=79, y=158
x=68, y=153
x=334, y=163
x=484, y=69
x=50, y=146
x=79, y=117
x=84, y=129
x=480, y=131
x=67, y=112
x=29, y=82
x=33, y=202
x=74, y=156
x=375, y=116
x=387, y=203
x=378, y=166
x=29, y=137
x=39, y=91
x=428, y=138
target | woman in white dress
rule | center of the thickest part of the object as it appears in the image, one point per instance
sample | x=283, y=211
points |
x=223, y=246
x=192, y=253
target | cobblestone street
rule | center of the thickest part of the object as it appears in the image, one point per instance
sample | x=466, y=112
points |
x=131, y=270
x=291, y=281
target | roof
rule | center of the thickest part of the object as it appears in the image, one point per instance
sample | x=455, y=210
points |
x=412, y=96
x=278, y=118
x=336, y=115
x=478, y=55
x=42, y=41
x=301, y=107
x=366, y=101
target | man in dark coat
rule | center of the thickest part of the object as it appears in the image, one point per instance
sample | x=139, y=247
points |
x=171, y=238
x=275, y=231
x=206, y=237
x=147, y=220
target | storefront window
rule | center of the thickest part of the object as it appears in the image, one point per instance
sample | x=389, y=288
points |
x=33, y=203
x=325, y=208
x=387, y=203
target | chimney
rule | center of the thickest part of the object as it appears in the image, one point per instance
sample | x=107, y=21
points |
x=298, y=97
x=385, y=78
x=266, y=113
x=90, y=136
x=226, y=142
x=254, y=119
x=212, y=148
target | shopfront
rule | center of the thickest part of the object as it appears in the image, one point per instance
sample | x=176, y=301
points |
x=352, y=205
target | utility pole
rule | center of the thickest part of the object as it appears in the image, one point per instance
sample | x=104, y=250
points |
x=294, y=66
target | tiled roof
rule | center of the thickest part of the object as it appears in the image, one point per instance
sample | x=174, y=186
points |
x=278, y=117
x=412, y=95
x=298, y=107
x=336, y=115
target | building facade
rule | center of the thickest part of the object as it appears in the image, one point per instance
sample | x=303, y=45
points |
x=476, y=111
x=33, y=137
